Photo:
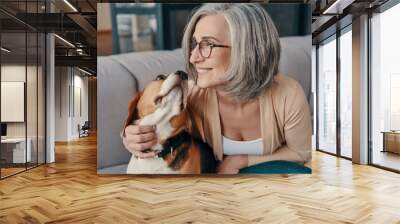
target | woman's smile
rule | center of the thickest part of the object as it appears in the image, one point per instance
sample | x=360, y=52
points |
x=201, y=71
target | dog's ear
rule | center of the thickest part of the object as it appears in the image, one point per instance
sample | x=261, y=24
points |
x=185, y=92
x=132, y=110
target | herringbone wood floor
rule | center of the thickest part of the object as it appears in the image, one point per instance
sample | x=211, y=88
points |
x=70, y=191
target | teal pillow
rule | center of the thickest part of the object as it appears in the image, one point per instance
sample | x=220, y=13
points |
x=276, y=167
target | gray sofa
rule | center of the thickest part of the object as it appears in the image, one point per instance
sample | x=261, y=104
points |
x=119, y=77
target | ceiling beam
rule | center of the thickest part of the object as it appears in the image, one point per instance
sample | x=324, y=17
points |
x=81, y=61
x=84, y=24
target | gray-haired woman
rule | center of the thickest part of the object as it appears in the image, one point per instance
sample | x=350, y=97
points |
x=242, y=106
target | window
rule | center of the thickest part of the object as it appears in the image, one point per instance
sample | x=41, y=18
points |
x=327, y=96
x=22, y=66
x=385, y=88
x=346, y=93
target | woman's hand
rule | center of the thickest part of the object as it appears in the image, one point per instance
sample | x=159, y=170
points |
x=139, y=138
x=232, y=164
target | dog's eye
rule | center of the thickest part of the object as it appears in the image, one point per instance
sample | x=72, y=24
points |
x=161, y=77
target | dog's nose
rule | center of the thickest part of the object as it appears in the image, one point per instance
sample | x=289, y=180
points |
x=183, y=75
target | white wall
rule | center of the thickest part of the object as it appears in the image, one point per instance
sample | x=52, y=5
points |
x=68, y=83
x=82, y=82
x=61, y=103
x=79, y=117
x=17, y=73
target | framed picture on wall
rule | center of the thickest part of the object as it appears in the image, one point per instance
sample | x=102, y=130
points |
x=12, y=101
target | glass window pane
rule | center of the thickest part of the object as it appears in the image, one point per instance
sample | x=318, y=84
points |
x=346, y=94
x=137, y=32
x=22, y=87
x=32, y=84
x=327, y=97
x=13, y=87
x=31, y=97
x=385, y=114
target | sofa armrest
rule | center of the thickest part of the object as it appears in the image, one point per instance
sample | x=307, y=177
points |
x=115, y=87
x=119, y=77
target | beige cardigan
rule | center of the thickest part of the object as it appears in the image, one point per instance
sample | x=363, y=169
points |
x=285, y=117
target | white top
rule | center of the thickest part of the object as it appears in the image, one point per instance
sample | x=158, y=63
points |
x=232, y=147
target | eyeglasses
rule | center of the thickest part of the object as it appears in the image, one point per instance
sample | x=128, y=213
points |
x=205, y=47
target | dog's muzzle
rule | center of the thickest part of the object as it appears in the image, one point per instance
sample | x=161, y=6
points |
x=173, y=80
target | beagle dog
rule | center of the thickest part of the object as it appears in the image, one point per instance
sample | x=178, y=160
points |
x=163, y=103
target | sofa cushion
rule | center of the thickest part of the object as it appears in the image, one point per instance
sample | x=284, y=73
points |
x=145, y=66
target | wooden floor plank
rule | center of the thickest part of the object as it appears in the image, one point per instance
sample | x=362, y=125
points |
x=70, y=191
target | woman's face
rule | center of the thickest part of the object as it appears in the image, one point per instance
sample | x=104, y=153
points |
x=211, y=71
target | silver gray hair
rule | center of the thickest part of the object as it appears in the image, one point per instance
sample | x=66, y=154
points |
x=255, y=50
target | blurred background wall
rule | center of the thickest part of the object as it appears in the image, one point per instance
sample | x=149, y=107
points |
x=129, y=27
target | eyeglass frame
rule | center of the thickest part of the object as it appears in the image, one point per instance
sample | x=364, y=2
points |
x=211, y=45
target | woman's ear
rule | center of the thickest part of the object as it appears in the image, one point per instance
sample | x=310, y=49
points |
x=132, y=110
